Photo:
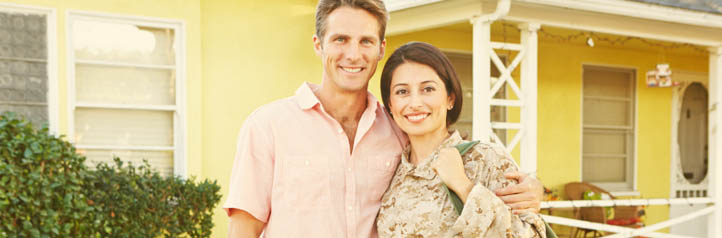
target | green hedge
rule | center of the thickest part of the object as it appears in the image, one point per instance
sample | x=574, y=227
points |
x=46, y=190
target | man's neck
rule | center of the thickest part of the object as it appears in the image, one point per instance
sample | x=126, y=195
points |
x=342, y=106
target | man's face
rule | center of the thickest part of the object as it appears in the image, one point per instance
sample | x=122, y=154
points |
x=350, y=49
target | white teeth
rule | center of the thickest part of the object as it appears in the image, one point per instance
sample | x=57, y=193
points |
x=418, y=117
x=351, y=70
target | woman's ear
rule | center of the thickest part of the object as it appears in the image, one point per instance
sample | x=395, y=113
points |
x=452, y=99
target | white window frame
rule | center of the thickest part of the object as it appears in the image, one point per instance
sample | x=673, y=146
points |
x=628, y=188
x=51, y=34
x=180, y=127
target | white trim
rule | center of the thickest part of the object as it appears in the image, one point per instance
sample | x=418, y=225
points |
x=638, y=10
x=715, y=139
x=665, y=224
x=607, y=98
x=603, y=227
x=506, y=46
x=119, y=64
x=126, y=147
x=506, y=125
x=397, y=5
x=481, y=78
x=626, y=202
x=608, y=127
x=634, y=193
x=506, y=102
x=51, y=34
x=180, y=126
x=606, y=155
x=126, y=106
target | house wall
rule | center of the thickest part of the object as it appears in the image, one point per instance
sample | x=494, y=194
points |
x=254, y=52
x=559, y=106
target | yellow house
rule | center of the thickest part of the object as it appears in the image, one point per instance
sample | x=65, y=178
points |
x=172, y=81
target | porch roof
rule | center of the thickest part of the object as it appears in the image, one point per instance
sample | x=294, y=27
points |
x=710, y=6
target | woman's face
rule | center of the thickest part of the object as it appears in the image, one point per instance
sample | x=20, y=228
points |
x=418, y=99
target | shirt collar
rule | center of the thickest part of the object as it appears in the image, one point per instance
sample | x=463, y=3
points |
x=307, y=99
x=424, y=169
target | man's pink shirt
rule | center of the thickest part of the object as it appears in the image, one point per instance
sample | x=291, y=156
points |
x=295, y=171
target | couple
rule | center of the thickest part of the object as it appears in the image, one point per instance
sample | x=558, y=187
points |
x=331, y=161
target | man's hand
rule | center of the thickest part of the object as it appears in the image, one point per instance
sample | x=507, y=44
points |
x=523, y=197
x=242, y=224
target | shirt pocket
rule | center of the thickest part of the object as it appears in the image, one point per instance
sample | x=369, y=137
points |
x=381, y=170
x=307, y=181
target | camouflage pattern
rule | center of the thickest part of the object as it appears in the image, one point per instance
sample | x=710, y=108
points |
x=416, y=205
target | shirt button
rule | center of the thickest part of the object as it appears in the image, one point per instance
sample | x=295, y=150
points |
x=340, y=131
x=350, y=208
x=388, y=164
x=307, y=163
x=349, y=169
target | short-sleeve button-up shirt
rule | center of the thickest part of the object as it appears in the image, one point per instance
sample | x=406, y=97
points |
x=294, y=169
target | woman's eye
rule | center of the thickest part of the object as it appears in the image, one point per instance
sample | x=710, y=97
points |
x=400, y=92
x=429, y=89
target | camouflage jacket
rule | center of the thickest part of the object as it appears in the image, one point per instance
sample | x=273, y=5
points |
x=415, y=205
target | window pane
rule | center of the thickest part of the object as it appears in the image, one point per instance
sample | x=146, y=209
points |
x=22, y=36
x=605, y=142
x=122, y=85
x=123, y=127
x=23, y=67
x=38, y=115
x=604, y=169
x=610, y=83
x=139, y=45
x=162, y=161
x=606, y=112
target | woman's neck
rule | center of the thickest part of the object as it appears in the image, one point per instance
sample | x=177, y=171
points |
x=422, y=146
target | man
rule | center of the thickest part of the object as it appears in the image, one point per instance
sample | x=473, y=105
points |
x=316, y=164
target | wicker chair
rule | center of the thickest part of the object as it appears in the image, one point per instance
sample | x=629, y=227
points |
x=623, y=215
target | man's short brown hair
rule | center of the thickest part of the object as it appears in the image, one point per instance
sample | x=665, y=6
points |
x=373, y=7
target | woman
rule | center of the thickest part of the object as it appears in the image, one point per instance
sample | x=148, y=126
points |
x=422, y=92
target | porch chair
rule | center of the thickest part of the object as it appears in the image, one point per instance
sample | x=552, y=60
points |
x=628, y=216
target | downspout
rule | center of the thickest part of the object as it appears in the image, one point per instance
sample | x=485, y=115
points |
x=502, y=8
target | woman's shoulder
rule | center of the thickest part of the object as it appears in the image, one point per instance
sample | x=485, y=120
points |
x=489, y=153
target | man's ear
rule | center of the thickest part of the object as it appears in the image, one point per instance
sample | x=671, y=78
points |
x=317, y=46
x=382, y=49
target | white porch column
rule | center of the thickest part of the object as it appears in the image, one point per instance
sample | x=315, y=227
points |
x=481, y=126
x=714, y=225
x=528, y=147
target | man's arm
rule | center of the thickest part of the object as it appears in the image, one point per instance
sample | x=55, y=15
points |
x=523, y=197
x=244, y=225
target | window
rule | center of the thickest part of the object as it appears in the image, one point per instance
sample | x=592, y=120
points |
x=608, y=128
x=126, y=94
x=26, y=83
x=462, y=63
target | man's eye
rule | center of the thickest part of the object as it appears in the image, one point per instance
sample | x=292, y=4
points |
x=366, y=42
x=340, y=40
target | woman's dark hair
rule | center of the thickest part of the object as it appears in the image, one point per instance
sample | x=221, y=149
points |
x=426, y=54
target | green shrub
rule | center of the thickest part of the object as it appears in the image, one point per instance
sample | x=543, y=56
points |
x=47, y=191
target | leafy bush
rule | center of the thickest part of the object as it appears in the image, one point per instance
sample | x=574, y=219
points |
x=47, y=191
